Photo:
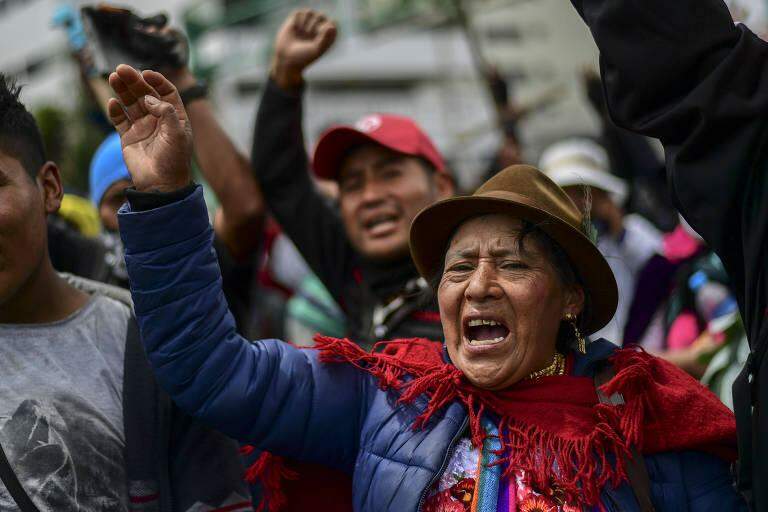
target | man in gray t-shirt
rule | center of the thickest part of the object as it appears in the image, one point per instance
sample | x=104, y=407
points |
x=82, y=420
x=61, y=416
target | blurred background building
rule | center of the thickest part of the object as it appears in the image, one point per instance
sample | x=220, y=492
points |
x=409, y=57
x=415, y=57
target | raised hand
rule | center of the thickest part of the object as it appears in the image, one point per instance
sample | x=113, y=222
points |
x=154, y=129
x=302, y=39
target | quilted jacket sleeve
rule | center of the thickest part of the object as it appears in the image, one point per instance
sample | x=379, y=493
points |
x=709, y=484
x=267, y=393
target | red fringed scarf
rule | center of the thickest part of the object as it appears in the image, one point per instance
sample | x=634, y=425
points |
x=554, y=428
x=269, y=471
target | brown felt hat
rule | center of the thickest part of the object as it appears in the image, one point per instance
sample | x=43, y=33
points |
x=526, y=193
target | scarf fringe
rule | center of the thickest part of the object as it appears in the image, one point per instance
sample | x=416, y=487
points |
x=268, y=471
x=634, y=371
x=383, y=366
x=390, y=369
x=582, y=467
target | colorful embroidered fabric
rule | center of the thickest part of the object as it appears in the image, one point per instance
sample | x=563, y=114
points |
x=456, y=488
x=471, y=483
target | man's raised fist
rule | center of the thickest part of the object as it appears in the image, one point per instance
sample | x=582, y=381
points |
x=303, y=38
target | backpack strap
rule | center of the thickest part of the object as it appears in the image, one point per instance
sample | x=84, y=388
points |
x=415, y=296
x=637, y=472
x=14, y=487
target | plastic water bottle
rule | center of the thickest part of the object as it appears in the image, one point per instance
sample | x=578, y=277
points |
x=713, y=300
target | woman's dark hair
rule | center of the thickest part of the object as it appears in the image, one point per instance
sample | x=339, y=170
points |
x=566, y=337
x=565, y=271
x=19, y=135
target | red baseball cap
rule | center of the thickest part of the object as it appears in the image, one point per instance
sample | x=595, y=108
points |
x=398, y=133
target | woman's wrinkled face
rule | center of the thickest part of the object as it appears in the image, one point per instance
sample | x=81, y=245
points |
x=501, y=308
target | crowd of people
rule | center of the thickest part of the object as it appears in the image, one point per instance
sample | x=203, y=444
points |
x=574, y=335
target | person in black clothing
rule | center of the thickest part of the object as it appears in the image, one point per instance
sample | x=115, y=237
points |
x=387, y=170
x=74, y=253
x=684, y=73
x=633, y=158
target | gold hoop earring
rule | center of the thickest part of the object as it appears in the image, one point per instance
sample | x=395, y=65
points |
x=581, y=343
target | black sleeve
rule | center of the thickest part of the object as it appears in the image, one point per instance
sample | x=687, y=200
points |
x=143, y=201
x=633, y=158
x=237, y=283
x=74, y=253
x=205, y=467
x=192, y=465
x=682, y=72
x=631, y=155
x=281, y=167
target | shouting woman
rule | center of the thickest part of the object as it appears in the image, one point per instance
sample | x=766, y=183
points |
x=513, y=410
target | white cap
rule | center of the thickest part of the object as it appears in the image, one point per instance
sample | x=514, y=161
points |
x=581, y=161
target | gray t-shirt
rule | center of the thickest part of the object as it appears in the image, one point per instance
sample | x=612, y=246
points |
x=61, y=412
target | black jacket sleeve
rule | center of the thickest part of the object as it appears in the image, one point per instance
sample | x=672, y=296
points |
x=281, y=167
x=205, y=468
x=683, y=72
x=143, y=201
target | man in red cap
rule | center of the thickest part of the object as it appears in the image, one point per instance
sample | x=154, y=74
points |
x=387, y=170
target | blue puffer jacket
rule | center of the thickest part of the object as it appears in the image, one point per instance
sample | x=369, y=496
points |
x=284, y=400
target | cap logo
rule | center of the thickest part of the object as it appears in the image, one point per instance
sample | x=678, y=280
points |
x=369, y=123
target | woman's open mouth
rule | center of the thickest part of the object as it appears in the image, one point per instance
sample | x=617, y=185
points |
x=482, y=331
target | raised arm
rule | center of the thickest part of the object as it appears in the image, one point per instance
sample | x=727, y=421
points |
x=279, y=156
x=660, y=59
x=227, y=170
x=264, y=392
x=682, y=72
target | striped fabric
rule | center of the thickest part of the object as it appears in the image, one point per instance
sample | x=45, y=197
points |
x=143, y=496
x=487, y=489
